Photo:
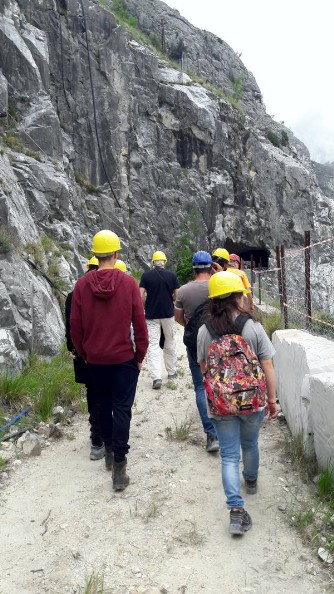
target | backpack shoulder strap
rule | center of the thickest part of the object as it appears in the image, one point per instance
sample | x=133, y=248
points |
x=240, y=321
x=212, y=332
x=202, y=307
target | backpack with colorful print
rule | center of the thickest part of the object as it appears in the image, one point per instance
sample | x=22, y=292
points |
x=234, y=381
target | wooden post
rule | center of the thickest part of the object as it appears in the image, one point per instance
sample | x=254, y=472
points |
x=284, y=295
x=307, y=257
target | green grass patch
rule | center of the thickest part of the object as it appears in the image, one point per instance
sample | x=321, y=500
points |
x=34, y=154
x=181, y=430
x=137, y=274
x=302, y=519
x=47, y=243
x=187, y=237
x=295, y=449
x=35, y=249
x=232, y=99
x=131, y=24
x=66, y=245
x=16, y=144
x=323, y=326
x=6, y=243
x=42, y=385
x=273, y=138
x=86, y=184
x=325, y=485
x=272, y=322
x=3, y=463
x=94, y=584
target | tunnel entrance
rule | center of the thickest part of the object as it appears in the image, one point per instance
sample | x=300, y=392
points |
x=260, y=255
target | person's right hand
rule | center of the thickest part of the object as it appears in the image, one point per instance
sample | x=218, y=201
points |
x=216, y=267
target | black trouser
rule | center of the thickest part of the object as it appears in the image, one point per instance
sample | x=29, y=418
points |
x=82, y=377
x=94, y=416
x=114, y=388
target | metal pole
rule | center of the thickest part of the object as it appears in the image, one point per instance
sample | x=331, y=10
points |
x=260, y=270
x=279, y=277
x=284, y=295
x=307, y=256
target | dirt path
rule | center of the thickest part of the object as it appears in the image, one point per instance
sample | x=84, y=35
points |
x=168, y=532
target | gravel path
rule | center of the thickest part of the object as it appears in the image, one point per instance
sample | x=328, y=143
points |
x=168, y=532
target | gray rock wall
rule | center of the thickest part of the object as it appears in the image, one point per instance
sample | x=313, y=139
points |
x=113, y=135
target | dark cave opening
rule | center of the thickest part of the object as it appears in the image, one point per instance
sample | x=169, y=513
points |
x=260, y=255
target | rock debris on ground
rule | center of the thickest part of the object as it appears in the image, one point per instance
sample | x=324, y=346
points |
x=168, y=532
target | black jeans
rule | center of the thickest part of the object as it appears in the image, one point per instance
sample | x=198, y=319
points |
x=82, y=377
x=114, y=389
x=94, y=416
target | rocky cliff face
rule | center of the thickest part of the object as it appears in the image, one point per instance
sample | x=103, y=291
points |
x=100, y=129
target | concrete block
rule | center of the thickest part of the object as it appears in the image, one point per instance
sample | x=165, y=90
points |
x=322, y=413
x=303, y=364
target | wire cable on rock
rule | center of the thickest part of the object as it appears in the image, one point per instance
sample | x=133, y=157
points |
x=94, y=104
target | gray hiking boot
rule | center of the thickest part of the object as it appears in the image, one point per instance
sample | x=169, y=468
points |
x=157, y=383
x=240, y=521
x=120, y=479
x=212, y=443
x=109, y=458
x=96, y=452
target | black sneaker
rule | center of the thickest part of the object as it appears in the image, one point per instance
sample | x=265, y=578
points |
x=96, y=452
x=251, y=487
x=240, y=521
x=157, y=384
x=212, y=443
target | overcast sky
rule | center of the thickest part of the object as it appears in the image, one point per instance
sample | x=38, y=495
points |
x=289, y=47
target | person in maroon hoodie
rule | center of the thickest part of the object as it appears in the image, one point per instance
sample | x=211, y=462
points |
x=104, y=305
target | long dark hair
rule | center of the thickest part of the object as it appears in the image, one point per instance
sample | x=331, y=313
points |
x=221, y=314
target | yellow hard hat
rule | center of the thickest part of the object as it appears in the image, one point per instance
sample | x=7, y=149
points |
x=105, y=243
x=221, y=253
x=222, y=284
x=120, y=265
x=92, y=262
x=159, y=256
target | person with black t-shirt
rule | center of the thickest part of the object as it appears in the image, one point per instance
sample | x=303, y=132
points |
x=160, y=286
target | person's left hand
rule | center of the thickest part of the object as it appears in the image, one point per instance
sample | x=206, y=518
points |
x=272, y=409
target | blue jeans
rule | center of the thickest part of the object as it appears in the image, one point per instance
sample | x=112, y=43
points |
x=233, y=432
x=200, y=395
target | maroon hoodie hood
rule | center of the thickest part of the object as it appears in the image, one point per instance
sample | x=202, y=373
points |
x=104, y=283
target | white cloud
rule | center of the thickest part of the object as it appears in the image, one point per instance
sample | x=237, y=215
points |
x=312, y=128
